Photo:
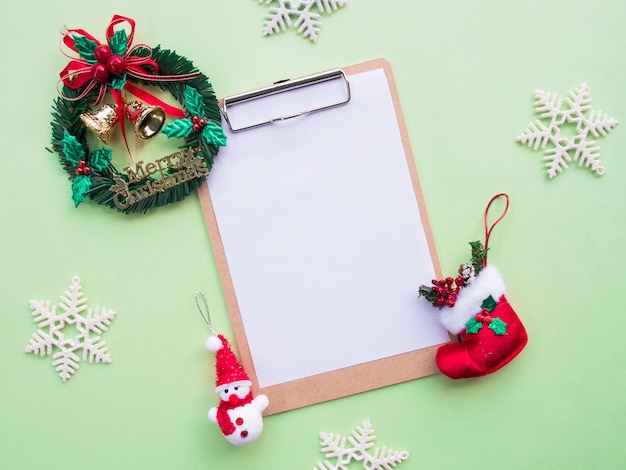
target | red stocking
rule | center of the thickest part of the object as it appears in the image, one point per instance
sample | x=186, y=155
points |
x=474, y=307
x=490, y=330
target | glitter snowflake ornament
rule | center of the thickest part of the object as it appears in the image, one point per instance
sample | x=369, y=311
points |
x=304, y=15
x=571, y=111
x=356, y=447
x=50, y=338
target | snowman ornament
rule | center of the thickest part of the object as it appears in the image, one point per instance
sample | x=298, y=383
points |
x=239, y=415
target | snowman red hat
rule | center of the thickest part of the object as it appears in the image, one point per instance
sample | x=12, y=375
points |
x=228, y=370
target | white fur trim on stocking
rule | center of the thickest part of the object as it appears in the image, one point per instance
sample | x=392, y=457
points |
x=469, y=301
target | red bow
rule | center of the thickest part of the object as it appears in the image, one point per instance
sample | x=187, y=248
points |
x=106, y=66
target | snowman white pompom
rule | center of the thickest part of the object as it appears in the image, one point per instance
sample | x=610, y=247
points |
x=213, y=343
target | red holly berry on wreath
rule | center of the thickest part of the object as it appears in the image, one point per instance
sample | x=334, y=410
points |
x=474, y=307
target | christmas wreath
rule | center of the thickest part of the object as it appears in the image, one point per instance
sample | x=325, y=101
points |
x=117, y=67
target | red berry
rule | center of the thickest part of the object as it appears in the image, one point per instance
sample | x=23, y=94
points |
x=100, y=73
x=116, y=64
x=202, y=123
x=441, y=301
x=195, y=119
x=102, y=53
x=195, y=127
x=450, y=302
x=459, y=281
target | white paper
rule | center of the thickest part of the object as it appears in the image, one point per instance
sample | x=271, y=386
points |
x=323, y=237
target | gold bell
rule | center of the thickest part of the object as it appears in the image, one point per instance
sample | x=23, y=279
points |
x=147, y=121
x=102, y=122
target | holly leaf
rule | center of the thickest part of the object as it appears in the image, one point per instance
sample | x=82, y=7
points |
x=193, y=102
x=119, y=43
x=489, y=303
x=214, y=134
x=498, y=326
x=85, y=47
x=80, y=186
x=473, y=326
x=100, y=159
x=119, y=81
x=72, y=149
x=178, y=128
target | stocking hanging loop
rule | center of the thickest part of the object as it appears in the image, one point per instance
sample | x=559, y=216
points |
x=488, y=228
x=204, y=311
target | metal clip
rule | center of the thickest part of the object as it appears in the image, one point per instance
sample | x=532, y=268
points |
x=281, y=87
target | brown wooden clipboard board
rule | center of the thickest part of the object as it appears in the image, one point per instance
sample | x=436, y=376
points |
x=341, y=381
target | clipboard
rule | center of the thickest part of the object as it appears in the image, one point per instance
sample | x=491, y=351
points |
x=321, y=237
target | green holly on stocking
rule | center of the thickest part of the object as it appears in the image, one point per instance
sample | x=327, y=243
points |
x=475, y=324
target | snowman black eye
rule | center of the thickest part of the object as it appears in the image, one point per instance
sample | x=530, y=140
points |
x=236, y=388
x=225, y=390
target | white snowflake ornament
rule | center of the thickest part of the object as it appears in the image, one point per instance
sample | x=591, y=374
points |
x=581, y=148
x=50, y=338
x=304, y=15
x=356, y=448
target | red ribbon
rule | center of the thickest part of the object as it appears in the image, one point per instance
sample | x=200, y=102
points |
x=488, y=228
x=80, y=72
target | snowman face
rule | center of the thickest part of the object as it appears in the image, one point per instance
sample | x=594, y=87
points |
x=233, y=392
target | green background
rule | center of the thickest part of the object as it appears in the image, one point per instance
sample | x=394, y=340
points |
x=466, y=73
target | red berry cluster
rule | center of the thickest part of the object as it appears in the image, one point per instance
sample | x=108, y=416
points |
x=82, y=169
x=484, y=316
x=107, y=63
x=198, y=123
x=446, y=290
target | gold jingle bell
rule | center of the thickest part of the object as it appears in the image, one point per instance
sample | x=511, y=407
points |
x=102, y=122
x=147, y=121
